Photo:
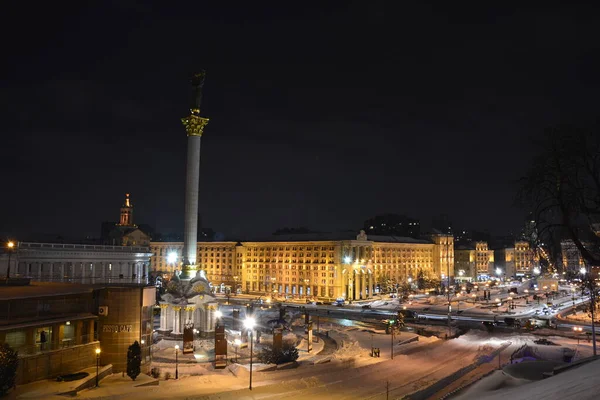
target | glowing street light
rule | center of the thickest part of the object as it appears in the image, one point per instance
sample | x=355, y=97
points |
x=347, y=260
x=537, y=270
x=10, y=245
x=218, y=315
x=97, y=364
x=250, y=323
x=172, y=257
x=582, y=271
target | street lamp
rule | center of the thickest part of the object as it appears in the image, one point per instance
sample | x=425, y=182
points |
x=236, y=344
x=176, y=361
x=10, y=246
x=577, y=329
x=306, y=281
x=97, y=364
x=249, y=323
x=526, y=296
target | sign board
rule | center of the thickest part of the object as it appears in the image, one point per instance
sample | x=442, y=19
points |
x=188, y=339
x=117, y=328
x=220, y=347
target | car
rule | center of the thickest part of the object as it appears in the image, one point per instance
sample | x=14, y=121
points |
x=366, y=306
x=319, y=303
x=339, y=304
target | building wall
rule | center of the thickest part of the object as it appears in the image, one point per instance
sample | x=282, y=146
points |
x=129, y=319
x=484, y=259
x=443, y=256
x=311, y=268
x=217, y=259
x=55, y=363
x=465, y=261
x=80, y=263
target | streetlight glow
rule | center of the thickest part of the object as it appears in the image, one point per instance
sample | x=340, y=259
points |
x=347, y=260
x=582, y=270
x=172, y=257
x=11, y=245
x=218, y=314
x=249, y=323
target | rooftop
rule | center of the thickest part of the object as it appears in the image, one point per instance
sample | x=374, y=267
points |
x=48, y=289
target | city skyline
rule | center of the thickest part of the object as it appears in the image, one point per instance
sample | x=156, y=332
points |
x=320, y=117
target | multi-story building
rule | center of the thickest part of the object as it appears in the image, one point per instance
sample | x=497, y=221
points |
x=316, y=264
x=514, y=261
x=464, y=263
x=218, y=260
x=484, y=260
x=474, y=261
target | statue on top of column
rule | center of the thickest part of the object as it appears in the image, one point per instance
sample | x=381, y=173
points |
x=197, y=84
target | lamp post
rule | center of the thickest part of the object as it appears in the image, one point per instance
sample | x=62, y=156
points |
x=526, y=296
x=537, y=295
x=97, y=364
x=176, y=361
x=249, y=323
x=577, y=329
x=10, y=246
x=236, y=345
x=306, y=281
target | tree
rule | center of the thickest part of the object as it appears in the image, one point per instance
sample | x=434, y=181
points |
x=134, y=360
x=9, y=361
x=562, y=188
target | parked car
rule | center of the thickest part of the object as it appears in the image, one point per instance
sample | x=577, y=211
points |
x=366, y=306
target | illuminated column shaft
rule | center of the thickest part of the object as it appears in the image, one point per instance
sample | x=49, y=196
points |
x=190, y=235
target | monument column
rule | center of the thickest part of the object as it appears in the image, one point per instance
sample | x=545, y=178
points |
x=194, y=126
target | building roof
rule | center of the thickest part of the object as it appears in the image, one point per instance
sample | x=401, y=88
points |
x=48, y=289
x=334, y=236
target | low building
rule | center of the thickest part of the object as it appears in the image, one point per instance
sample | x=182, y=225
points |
x=57, y=327
x=79, y=263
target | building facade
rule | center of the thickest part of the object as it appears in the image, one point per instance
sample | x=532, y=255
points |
x=219, y=260
x=80, y=263
x=325, y=266
x=514, y=261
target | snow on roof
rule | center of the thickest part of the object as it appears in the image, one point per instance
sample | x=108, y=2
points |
x=578, y=383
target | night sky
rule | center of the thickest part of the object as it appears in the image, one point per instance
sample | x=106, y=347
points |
x=322, y=114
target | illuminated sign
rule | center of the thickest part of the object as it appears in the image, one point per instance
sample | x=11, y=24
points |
x=117, y=328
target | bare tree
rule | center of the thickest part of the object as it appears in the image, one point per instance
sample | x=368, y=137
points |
x=562, y=188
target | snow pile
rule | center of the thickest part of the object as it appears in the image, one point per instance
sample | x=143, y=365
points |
x=578, y=383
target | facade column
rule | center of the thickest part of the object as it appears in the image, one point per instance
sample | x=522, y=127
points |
x=163, y=317
x=62, y=271
x=363, y=284
x=176, y=314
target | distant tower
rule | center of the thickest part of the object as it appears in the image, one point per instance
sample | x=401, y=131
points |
x=194, y=126
x=126, y=213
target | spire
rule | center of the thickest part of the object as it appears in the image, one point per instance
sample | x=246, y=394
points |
x=126, y=213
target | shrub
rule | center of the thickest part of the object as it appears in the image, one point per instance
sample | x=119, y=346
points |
x=134, y=360
x=287, y=353
x=9, y=361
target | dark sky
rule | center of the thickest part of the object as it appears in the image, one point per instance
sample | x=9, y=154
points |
x=322, y=114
